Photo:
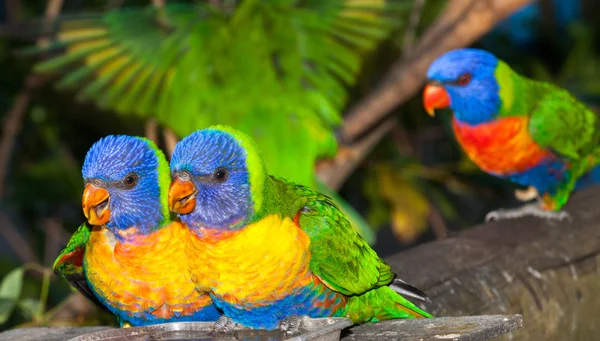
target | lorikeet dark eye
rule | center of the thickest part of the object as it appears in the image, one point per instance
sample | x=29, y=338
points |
x=464, y=79
x=221, y=174
x=131, y=180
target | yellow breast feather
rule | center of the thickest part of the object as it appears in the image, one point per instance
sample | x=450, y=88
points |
x=260, y=263
x=148, y=275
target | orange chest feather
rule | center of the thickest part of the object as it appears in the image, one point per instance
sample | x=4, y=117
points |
x=262, y=262
x=502, y=147
x=150, y=274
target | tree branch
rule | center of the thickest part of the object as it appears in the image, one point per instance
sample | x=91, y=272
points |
x=170, y=141
x=56, y=238
x=336, y=171
x=151, y=130
x=413, y=24
x=461, y=23
x=13, y=238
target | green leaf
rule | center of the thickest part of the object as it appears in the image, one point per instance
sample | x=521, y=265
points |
x=11, y=284
x=30, y=307
x=6, y=308
x=10, y=290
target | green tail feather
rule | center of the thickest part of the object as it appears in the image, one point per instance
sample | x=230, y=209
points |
x=382, y=304
x=355, y=219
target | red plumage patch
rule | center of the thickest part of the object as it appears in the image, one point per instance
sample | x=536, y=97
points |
x=502, y=147
x=75, y=257
x=297, y=219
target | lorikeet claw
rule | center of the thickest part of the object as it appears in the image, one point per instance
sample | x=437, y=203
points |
x=290, y=325
x=532, y=209
x=224, y=324
x=527, y=194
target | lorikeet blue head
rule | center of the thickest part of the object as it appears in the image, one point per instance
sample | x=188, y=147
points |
x=123, y=178
x=217, y=179
x=465, y=81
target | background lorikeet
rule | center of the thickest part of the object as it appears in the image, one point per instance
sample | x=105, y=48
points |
x=275, y=250
x=135, y=259
x=276, y=70
x=529, y=132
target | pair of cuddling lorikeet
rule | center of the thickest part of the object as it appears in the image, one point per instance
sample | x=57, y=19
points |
x=216, y=238
x=529, y=132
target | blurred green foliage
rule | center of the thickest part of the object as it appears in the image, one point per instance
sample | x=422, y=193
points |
x=267, y=68
x=414, y=186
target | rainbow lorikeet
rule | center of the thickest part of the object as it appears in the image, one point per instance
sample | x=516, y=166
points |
x=276, y=251
x=529, y=132
x=134, y=255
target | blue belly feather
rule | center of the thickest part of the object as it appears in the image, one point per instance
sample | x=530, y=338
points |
x=546, y=177
x=268, y=316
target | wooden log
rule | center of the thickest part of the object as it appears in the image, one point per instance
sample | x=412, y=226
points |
x=469, y=328
x=47, y=333
x=546, y=271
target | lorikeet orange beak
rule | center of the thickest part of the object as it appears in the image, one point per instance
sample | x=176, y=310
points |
x=435, y=97
x=95, y=205
x=182, y=196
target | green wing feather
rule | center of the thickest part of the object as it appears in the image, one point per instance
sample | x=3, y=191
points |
x=344, y=261
x=561, y=123
x=355, y=219
x=70, y=259
x=69, y=263
x=557, y=120
x=339, y=256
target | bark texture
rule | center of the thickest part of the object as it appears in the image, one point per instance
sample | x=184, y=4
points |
x=547, y=271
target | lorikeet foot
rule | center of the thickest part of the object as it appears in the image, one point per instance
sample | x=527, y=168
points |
x=290, y=325
x=224, y=324
x=532, y=209
x=126, y=325
x=527, y=194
